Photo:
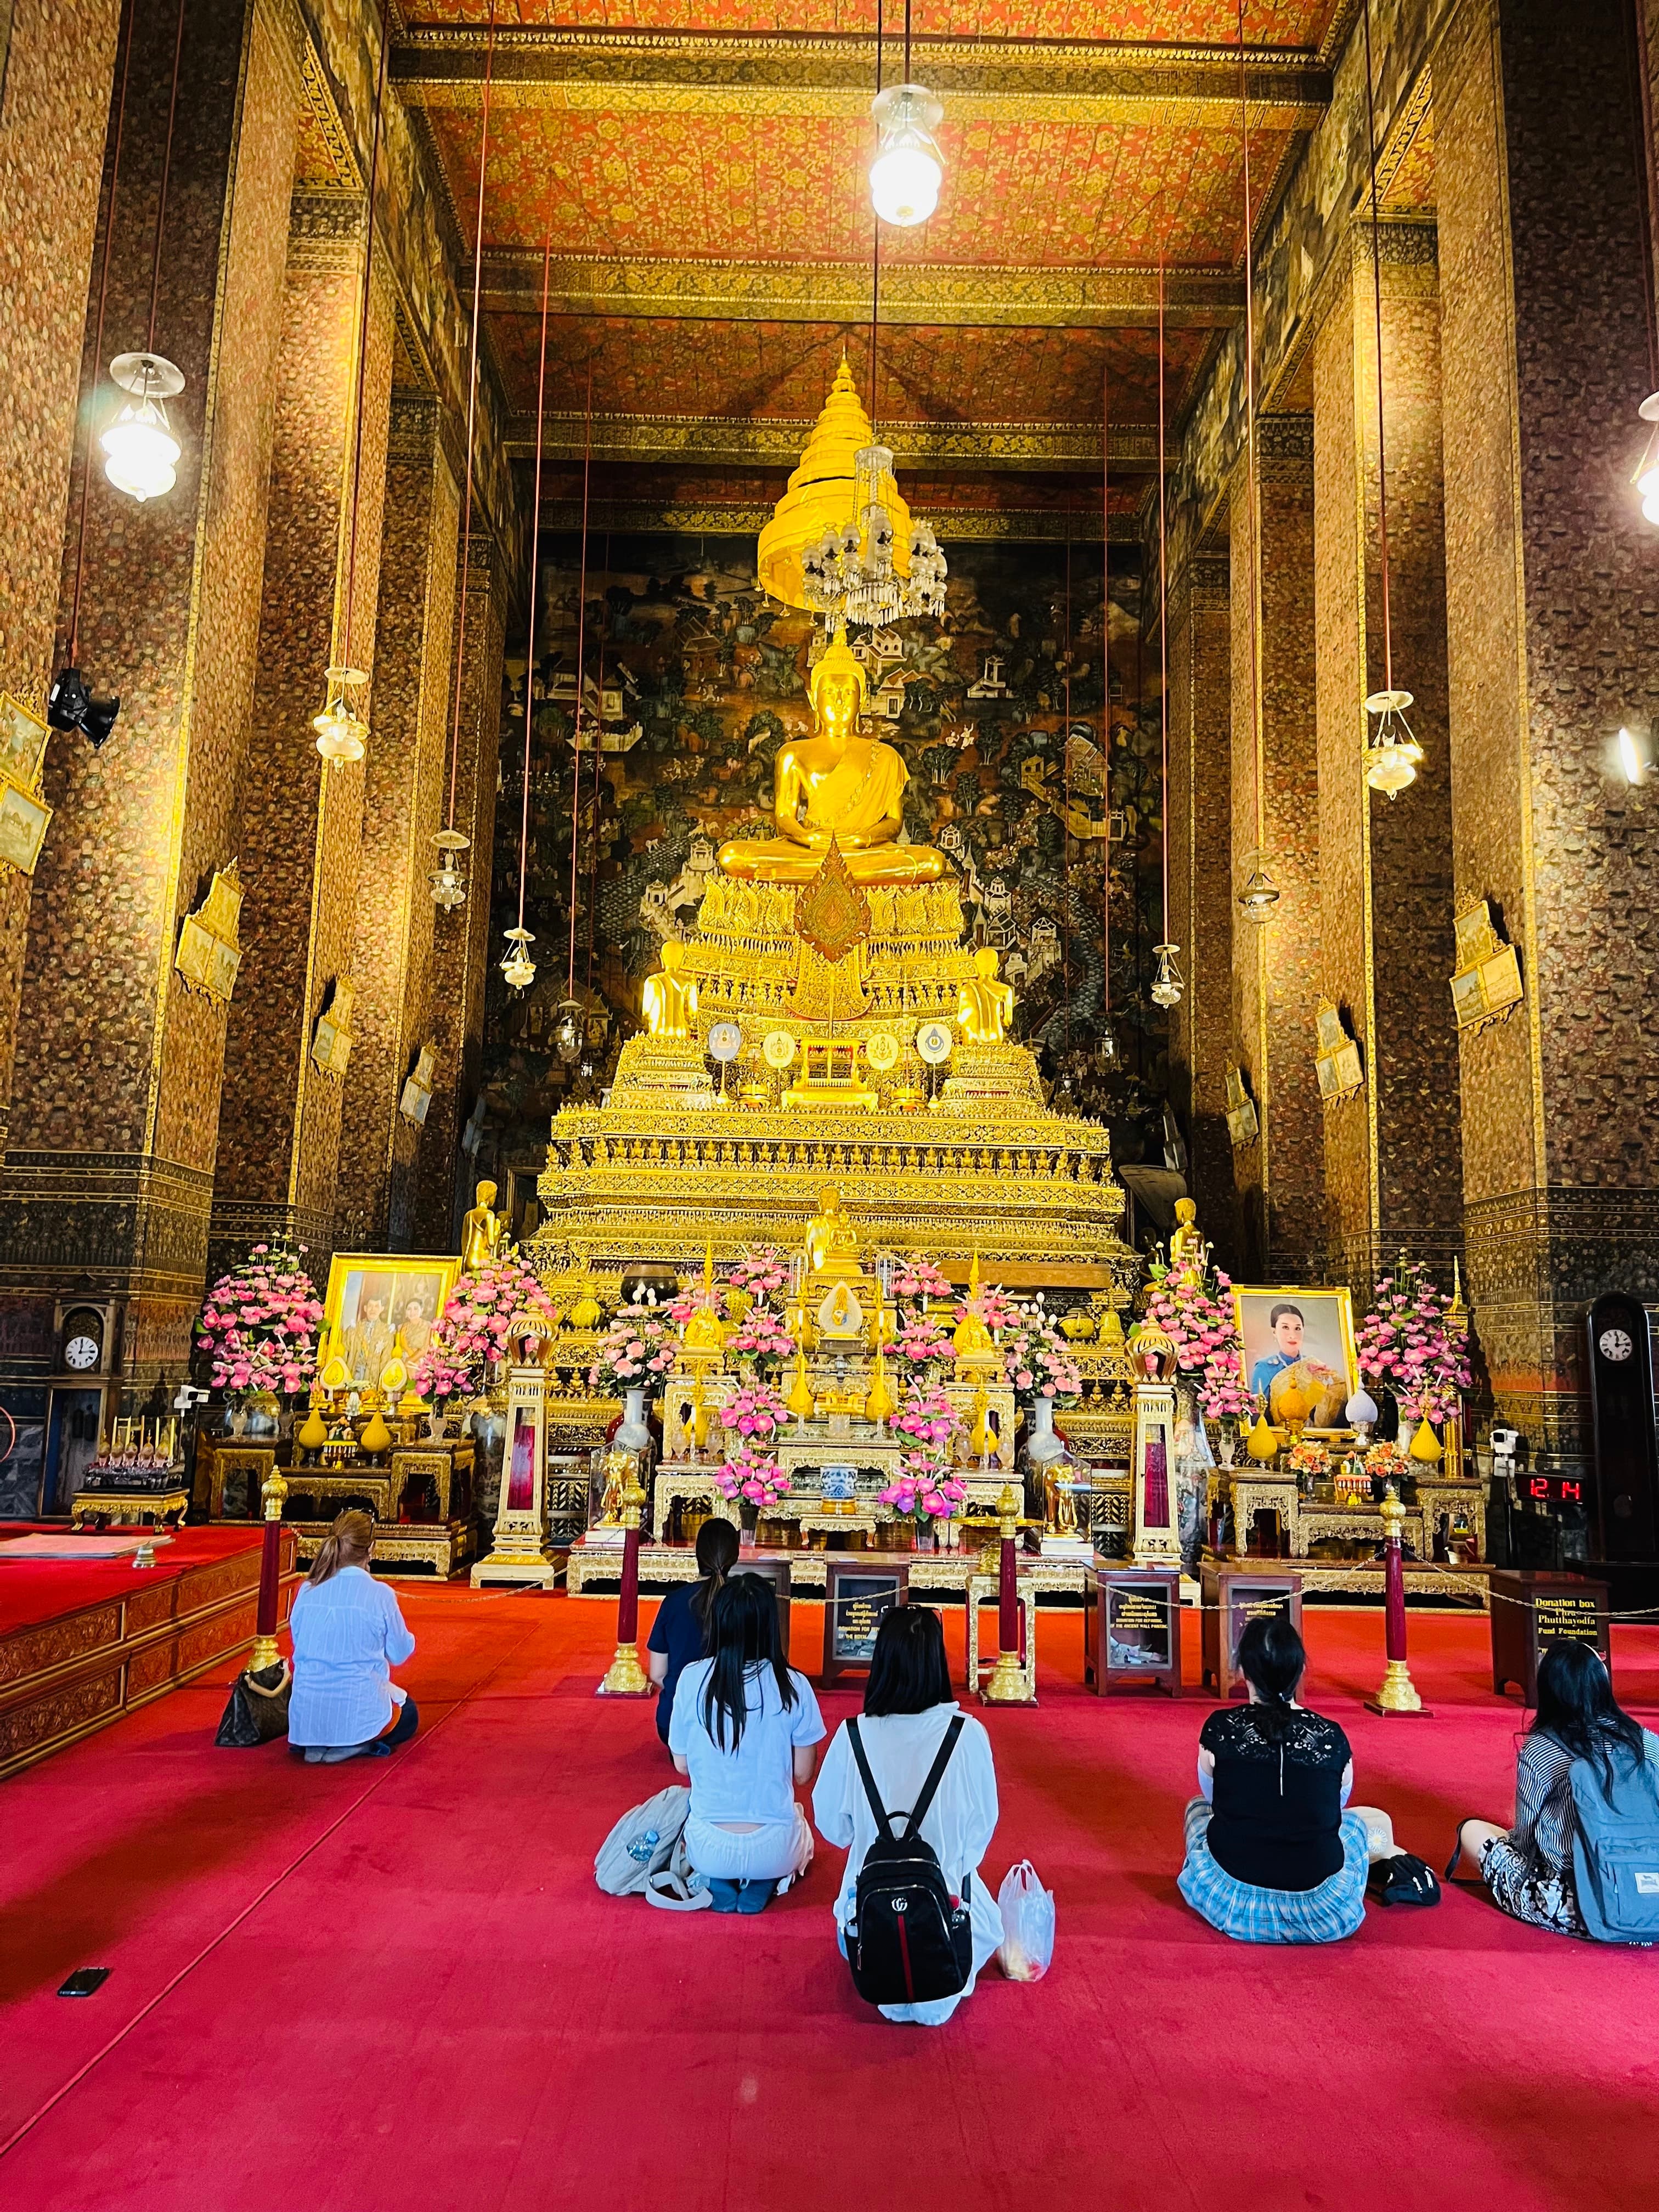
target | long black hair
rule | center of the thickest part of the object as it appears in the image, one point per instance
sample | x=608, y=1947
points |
x=1578, y=1708
x=909, y=1673
x=717, y=1554
x=742, y=1636
x=1273, y=1659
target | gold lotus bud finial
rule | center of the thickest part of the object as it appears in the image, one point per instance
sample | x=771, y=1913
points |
x=837, y=659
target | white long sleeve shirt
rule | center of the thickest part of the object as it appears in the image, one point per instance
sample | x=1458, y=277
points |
x=348, y=1634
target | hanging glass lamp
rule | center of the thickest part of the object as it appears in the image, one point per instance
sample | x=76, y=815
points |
x=141, y=454
x=448, y=884
x=909, y=168
x=518, y=969
x=342, y=733
x=1167, y=984
x=1258, y=894
x=1393, y=754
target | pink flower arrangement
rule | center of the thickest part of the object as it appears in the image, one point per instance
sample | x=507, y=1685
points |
x=759, y=1272
x=1037, y=1361
x=1193, y=1308
x=760, y=1340
x=1408, y=1343
x=754, y=1411
x=260, y=1323
x=922, y=1492
x=475, y=1326
x=640, y=1347
x=917, y=1279
x=1222, y=1394
x=922, y=1343
x=927, y=1415
x=761, y=1481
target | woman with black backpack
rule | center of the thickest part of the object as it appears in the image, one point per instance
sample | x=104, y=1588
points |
x=1583, y=1856
x=909, y=1792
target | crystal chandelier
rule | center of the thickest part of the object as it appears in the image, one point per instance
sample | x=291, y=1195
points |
x=448, y=884
x=342, y=733
x=850, y=575
x=141, y=454
x=1258, y=894
x=1392, y=756
x=1167, y=985
x=517, y=967
x=909, y=168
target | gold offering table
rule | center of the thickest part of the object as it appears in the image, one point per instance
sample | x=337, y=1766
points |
x=593, y=1570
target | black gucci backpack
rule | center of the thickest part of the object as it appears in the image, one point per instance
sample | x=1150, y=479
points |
x=911, y=1941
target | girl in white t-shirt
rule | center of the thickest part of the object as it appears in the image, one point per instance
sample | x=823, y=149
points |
x=744, y=1729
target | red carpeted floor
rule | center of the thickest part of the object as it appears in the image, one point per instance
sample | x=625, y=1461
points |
x=36, y=1590
x=393, y=1984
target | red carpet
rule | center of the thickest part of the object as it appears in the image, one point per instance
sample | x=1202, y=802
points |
x=393, y=1985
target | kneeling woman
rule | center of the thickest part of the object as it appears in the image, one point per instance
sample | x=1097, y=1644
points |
x=1271, y=1856
x=907, y=1707
x=744, y=1729
x=347, y=1636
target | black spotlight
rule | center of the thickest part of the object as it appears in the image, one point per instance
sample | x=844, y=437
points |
x=72, y=705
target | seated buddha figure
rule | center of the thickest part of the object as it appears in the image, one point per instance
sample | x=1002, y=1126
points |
x=836, y=783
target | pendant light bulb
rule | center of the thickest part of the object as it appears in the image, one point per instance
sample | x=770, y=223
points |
x=342, y=732
x=1258, y=894
x=909, y=168
x=1167, y=984
x=517, y=968
x=569, y=1030
x=1392, y=756
x=141, y=454
x=448, y=884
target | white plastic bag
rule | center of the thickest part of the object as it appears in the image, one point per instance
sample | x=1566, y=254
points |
x=1028, y=1924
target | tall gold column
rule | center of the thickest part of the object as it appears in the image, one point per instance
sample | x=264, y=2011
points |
x=1281, y=1176
x=1392, y=1150
x=404, y=794
x=115, y=1103
x=299, y=819
x=1541, y=192
x=461, y=949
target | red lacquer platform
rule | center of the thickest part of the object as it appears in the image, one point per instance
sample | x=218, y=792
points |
x=84, y=1642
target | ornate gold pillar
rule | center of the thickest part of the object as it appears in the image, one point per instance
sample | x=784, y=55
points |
x=404, y=794
x=1281, y=1175
x=461, y=951
x=1392, y=1148
x=299, y=819
x=1202, y=1039
x=50, y=189
x=1541, y=192
x=115, y=1103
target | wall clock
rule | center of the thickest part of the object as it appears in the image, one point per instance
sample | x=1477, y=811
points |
x=80, y=1353
x=1626, y=1450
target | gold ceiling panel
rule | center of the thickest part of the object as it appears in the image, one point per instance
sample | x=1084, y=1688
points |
x=749, y=443
x=980, y=525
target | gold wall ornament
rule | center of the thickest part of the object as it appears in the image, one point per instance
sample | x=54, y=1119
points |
x=1242, y=1126
x=209, y=946
x=416, y=1098
x=331, y=1046
x=832, y=914
x=24, y=815
x=778, y=1049
x=881, y=1049
x=1485, y=986
x=1341, y=1074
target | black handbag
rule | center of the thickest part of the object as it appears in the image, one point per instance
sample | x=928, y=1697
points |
x=256, y=1712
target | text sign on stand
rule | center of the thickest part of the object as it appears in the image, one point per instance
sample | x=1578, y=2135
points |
x=856, y=1596
x=1530, y=1612
x=1132, y=1630
x=1233, y=1598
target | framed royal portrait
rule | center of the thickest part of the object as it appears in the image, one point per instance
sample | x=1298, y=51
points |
x=381, y=1302
x=1304, y=1334
x=23, y=823
x=22, y=743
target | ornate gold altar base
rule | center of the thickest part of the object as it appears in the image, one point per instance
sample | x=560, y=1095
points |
x=593, y=1573
x=444, y=1546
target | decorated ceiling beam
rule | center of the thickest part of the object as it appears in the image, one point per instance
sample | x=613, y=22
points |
x=836, y=292
x=985, y=81
x=652, y=518
x=775, y=443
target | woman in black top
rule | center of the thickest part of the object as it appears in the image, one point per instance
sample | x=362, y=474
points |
x=678, y=1634
x=1271, y=1856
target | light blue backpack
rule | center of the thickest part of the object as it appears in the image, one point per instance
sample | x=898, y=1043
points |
x=1615, y=1848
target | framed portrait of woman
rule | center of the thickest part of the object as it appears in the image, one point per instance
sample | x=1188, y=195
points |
x=1305, y=1336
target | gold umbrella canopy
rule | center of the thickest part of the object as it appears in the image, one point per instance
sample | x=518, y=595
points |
x=820, y=496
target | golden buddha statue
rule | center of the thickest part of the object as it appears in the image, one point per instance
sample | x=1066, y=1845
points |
x=832, y=1244
x=669, y=1000
x=984, y=1006
x=837, y=782
x=482, y=1231
x=1188, y=1250
x=971, y=1335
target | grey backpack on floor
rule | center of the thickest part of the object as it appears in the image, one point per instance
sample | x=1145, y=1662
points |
x=642, y=1843
x=1616, y=1849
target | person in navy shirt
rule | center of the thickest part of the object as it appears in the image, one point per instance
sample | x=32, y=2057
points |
x=679, y=1632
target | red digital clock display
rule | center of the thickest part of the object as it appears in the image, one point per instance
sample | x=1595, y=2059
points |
x=1553, y=1489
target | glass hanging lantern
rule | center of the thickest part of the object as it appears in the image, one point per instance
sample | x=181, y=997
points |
x=141, y=454
x=909, y=168
x=448, y=884
x=1105, y=1046
x=1167, y=984
x=518, y=969
x=569, y=1030
x=342, y=733
x=1647, y=472
x=1392, y=756
x=1258, y=894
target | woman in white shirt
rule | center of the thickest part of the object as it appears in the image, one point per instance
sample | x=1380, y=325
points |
x=348, y=1634
x=744, y=1729
x=907, y=1707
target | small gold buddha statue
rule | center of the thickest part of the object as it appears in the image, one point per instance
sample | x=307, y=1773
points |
x=669, y=1000
x=972, y=1338
x=836, y=783
x=832, y=1244
x=1187, y=1246
x=703, y=1338
x=482, y=1231
x=984, y=1006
